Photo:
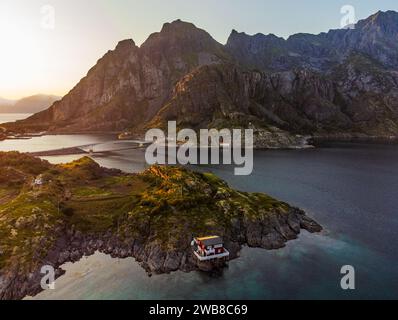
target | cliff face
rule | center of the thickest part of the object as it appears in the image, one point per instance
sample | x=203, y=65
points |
x=347, y=101
x=130, y=84
x=343, y=82
x=375, y=37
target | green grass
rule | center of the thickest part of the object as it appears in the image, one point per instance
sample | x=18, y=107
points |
x=100, y=215
x=88, y=191
x=164, y=205
x=26, y=227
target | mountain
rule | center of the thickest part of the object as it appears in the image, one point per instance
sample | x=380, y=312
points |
x=32, y=104
x=299, y=101
x=6, y=102
x=130, y=84
x=343, y=83
x=375, y=37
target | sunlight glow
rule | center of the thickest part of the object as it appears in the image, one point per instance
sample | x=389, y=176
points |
x=21, y=61
x=35, y=60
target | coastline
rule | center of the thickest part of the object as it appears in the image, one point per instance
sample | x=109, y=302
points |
x=72, y=245
x=240, y=218
x=318, y=140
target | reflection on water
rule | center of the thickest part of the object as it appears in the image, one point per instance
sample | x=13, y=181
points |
x=350, y=190
x=307, y=268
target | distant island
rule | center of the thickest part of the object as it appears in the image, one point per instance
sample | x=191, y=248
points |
x=53, y=214
x=32, y=104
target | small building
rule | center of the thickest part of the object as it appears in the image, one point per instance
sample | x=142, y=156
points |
x=38, y=181
x=209, y=248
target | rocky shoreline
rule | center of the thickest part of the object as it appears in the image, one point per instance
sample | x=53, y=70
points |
x=263, y=140
x=316, y=140
x=72, y=245
x=53, y=214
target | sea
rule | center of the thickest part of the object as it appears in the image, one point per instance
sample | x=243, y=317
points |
x=351, y=189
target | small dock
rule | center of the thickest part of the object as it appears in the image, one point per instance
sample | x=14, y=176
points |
x=224, y=255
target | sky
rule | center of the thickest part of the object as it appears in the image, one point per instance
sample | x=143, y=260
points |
x=47, y=46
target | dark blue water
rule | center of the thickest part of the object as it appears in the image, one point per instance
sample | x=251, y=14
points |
x=351, y=189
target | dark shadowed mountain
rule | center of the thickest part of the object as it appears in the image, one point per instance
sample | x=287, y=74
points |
x=375, y=37
x=339, y=83
x=32, y=104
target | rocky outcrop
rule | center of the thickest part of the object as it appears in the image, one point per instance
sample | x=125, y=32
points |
x=72, y=245
x=80, y=208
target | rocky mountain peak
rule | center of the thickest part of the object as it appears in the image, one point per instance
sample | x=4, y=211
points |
x=236, y=34
x=181, y=46
x=238, y=38
x=182, y=73
x=178, y=31
x=385, y=22
x=178, y=26
x=126, y=45
x=254, y=43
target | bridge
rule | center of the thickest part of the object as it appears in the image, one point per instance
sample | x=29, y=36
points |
x=90, y=149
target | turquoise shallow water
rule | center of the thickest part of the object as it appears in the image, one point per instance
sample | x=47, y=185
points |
x=351, y=189
x=307, y=268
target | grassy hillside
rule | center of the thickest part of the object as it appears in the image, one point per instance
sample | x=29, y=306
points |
x=151, y=216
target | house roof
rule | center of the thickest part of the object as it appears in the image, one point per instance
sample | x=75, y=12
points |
x=211, y=241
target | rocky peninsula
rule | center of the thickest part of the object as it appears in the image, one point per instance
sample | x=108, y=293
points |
x=53, y=214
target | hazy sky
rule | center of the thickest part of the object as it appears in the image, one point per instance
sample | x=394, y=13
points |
x=36, y=58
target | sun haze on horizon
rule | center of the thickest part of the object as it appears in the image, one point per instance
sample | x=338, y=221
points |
x=41, y=55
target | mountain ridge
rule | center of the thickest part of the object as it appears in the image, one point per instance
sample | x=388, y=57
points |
x=30, y=104
x=343, y=82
